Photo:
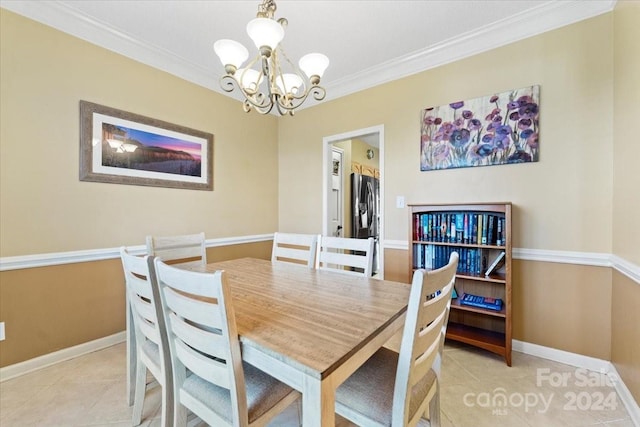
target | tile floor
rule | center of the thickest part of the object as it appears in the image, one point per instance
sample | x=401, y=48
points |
x=90, y=391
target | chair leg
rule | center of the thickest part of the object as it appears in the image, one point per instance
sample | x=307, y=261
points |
x=167, y=408
x=140, y=388
x=180, y=413
x=434, y=409
x=131, y=358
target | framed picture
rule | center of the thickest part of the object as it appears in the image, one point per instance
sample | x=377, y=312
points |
x=119, y=147
x=496, y=129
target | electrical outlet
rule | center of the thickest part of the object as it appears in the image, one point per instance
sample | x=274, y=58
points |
x=1, y=331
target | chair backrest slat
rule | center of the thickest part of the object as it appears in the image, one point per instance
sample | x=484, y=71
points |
x=140, y=286
x=178, y=248
x=214, y=371
x=199, y=313
x=344, y=255
x=149, y=330
x=292, y=247
x=205, y=341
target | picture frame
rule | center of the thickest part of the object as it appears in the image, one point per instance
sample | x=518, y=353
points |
x=497, y=129
x=121, y=147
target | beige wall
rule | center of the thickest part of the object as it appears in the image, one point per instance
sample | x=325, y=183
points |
x=625, y=335
x=43, y=205
x=563, y=202
x=44, y=208
x=626, y=179
x=563, y=306
x=359, y=153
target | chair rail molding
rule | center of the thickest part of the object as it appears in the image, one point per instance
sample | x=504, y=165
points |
x=594, y=259
x=72, y=257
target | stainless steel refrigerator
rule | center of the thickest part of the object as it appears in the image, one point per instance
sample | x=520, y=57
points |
x=365, y=208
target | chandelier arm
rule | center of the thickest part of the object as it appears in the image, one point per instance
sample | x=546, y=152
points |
x=294, y=101
x=256, y=100
x=228, y=83
x=318, y=92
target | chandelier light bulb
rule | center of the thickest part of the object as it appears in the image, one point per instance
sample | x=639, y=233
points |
x=265, y=32
x=249, y=79
x=289, y=83
x=314, y=64
x=231, y=52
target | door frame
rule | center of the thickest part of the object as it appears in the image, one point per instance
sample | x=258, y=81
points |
x=341, y=189
x=327, y=142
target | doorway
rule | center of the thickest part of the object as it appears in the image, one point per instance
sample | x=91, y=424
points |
x=360, y=166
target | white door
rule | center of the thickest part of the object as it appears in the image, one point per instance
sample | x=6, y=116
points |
x=335, y=209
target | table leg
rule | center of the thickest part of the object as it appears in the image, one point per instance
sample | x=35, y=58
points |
x=318, y=402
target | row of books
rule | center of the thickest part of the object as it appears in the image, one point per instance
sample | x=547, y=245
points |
x=471, y=261
x=481, y=302
x=460, y=227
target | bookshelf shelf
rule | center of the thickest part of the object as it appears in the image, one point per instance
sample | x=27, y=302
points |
x=479, y=232
x=455, y=305
x=482, y=338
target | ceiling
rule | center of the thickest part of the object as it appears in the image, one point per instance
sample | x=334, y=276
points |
x=368, y=42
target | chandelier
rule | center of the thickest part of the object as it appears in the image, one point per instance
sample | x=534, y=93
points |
x=276, y=82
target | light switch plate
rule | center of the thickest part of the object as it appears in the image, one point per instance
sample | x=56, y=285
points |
x=1, y=331
x=400, y=202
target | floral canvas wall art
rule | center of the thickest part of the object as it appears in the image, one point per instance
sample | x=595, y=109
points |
x=492, y=130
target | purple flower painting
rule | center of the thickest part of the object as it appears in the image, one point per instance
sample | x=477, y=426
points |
x=492, y=130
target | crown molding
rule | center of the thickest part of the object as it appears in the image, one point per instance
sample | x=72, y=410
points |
x=543, y=18
x=546, y=17
x=71, y=21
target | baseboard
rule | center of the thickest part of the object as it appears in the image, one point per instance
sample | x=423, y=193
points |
x=625, y=395
x=46, y=360
x=572, y=359
x=585, y=362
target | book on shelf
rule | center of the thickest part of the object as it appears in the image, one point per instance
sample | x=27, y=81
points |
x=485, y=225
x=496, y=264
x=481, y=302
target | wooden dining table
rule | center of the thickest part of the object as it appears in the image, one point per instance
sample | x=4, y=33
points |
x=309, y=328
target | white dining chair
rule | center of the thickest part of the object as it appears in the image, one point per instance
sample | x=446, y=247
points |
x=399, y=389
x=297, y=248
x=345, y=255
x=209, y=377
x=180, y=249
x=151, y=350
